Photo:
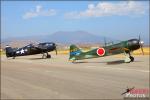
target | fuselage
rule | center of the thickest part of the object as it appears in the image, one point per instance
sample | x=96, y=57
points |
x=122, y=47
x=30, y=49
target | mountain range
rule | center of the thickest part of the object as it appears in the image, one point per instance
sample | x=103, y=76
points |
x=73, y=37
x=61, y=37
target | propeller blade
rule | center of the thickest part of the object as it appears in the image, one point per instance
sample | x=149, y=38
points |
x=55, y=48
x=56, y=51
x=141, y=44
x=139, y=38
x=142, y=49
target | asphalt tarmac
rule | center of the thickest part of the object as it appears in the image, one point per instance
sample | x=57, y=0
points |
x=31, y=77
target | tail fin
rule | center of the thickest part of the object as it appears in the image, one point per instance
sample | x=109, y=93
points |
x=74, y=51
x=9, y=51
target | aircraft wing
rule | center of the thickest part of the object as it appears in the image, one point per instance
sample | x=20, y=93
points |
x=125, y=49
x=118, y=49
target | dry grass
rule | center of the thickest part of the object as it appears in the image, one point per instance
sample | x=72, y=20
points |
x=139, y=51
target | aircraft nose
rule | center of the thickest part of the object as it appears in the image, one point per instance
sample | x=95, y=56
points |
x=141, y=42
x=54, y=44
x=134, y=44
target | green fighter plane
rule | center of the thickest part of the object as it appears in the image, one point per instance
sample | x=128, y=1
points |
x=125, y=47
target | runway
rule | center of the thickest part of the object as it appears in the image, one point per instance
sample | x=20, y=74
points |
x=31, y=77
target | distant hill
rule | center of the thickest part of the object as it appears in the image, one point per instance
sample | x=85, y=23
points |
x=61, y=37
x=73, y=37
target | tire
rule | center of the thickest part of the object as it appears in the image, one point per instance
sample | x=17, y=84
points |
x=73, y=62
x=48, y=56
x=132, y=58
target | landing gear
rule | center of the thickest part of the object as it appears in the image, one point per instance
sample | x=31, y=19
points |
x=128, y=58
x=131, y=58
x=14, y=55
x=46, y=55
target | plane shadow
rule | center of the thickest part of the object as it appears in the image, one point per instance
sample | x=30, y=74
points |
x=108, y=63
x=38, y=58
x=115, y=62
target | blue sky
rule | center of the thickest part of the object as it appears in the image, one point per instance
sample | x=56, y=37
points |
x=116, y=19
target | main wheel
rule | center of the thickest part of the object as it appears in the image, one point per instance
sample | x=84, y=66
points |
x=132, y=58
x=48, y=56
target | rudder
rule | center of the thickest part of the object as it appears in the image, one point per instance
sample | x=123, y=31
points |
x=74, y=51
x=9, y=51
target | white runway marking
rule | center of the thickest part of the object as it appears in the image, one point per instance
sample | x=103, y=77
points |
x=145, y=71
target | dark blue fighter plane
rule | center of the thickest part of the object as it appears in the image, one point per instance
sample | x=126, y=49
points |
x=31, y=49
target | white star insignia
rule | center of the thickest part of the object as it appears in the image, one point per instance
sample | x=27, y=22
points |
x=18, y=52
x=22, y=51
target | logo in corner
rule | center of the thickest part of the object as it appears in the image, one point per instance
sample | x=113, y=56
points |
x=135, y=93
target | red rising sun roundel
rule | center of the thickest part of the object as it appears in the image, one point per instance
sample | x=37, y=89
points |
x=100, y=51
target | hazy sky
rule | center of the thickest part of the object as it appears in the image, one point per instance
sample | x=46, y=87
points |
x=119, y=19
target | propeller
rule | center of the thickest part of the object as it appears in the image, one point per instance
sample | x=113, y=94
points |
x=55, y=49
x=141, y=44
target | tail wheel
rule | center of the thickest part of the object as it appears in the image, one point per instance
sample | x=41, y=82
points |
x=73, y=61
x=132, y=58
